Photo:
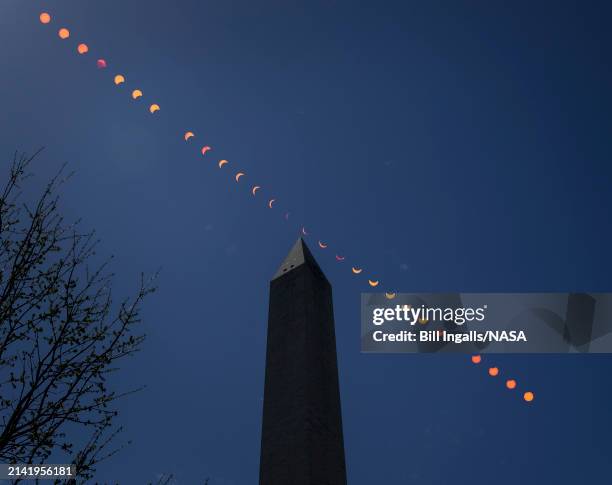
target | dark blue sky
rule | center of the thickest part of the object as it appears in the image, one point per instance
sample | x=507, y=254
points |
x=460, y=146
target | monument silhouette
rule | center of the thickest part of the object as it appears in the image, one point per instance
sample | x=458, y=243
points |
x=301, y=439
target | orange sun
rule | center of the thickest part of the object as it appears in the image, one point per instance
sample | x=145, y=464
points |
x=511, y=384
x=45, y=18
x=528, y=396
x=82, y=49
x=476, y=359
x=493, y=371
x=63, y=33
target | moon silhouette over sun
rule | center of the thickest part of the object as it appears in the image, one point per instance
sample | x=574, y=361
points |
x=82, y=49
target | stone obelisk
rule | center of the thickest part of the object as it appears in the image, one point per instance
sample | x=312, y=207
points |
x=301, y=442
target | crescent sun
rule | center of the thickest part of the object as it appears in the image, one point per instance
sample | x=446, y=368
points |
x=255, y=189
x=205, y=149
x=339, y=258
x=322, y=245
x=238, y=175
x=390, y=296
x=222, y=162
x=356, y=270
x=304, y=231
x=373, y=283
x=271, y=202
x=188, y=134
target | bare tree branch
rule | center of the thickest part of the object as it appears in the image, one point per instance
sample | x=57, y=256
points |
x=61, y=333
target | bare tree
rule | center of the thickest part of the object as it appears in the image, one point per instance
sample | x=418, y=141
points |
x=168, y=479
x=61, y=333
x=165, y=479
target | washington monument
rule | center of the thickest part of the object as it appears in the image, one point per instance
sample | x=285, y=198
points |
x=301, y=439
